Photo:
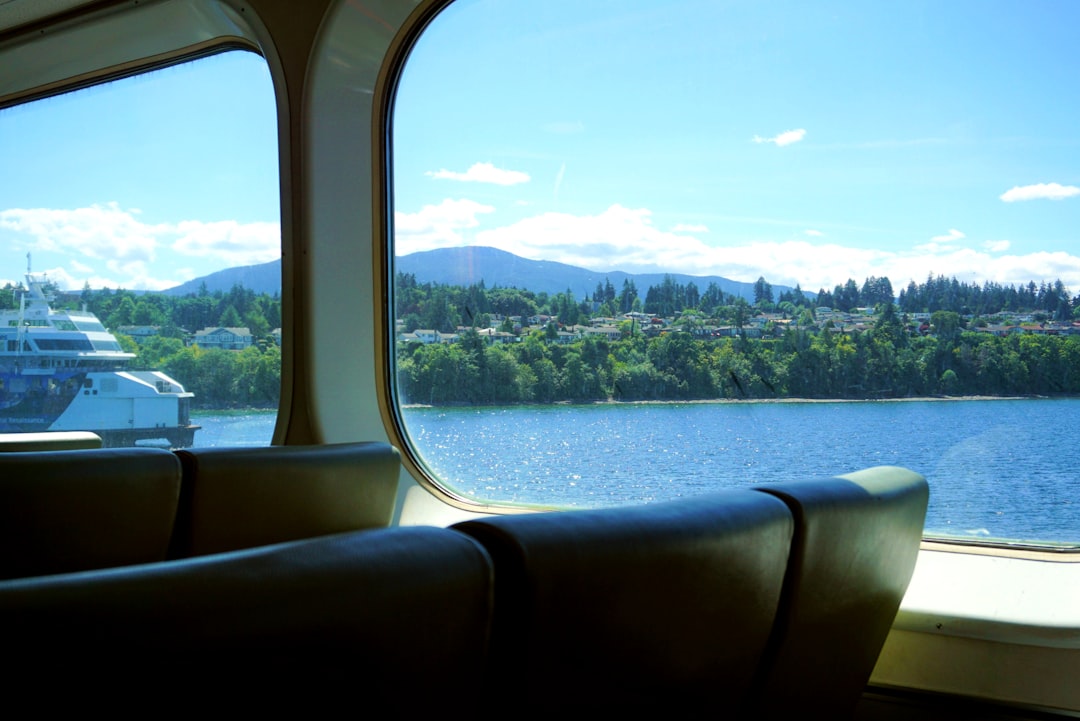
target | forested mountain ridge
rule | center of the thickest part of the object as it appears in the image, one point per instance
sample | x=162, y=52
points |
x=467, y=265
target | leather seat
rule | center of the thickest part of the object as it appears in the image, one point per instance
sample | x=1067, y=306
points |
x=77, y=510
x=856, y=541
x=659, y=608
x=342, y=623
x=235, y=498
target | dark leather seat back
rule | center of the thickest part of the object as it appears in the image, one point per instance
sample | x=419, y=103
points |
x=77, y=510
x=237, y=498
x=343, y=623
x=856, y=541
x=655, y=607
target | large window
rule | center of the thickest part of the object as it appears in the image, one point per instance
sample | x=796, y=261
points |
x=645, y=250
x=140, y=253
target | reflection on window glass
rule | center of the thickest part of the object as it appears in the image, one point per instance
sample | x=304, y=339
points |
x=131, y=214
x=647, y=250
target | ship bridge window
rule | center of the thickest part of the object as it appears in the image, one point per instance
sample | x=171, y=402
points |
x=132, y=204
x=48, y=344
x=641, y=253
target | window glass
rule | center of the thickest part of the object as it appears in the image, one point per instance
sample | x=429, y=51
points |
x=645, y=250
x=140, y=279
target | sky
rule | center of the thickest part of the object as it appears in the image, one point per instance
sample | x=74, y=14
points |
x=143, y=183
x=803, y=142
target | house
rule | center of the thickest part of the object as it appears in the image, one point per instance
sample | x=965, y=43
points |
x=223, y=338
x=139, y=333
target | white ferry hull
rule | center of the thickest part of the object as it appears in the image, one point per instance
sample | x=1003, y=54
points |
x=124, y=407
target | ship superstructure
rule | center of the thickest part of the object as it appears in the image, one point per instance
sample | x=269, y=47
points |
x=62, y=370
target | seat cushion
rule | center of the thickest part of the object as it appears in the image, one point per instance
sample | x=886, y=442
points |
x=77, y=510
x=237, y=498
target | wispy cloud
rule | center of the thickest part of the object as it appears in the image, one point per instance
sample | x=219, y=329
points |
x=813, y=233
x=949, y=237
x=437, y=226
x=621, y=238
x=997, y=246
x=785, y=138
x=116, y=237
x=1040, y=191
x=690, y=228
x=482, y=173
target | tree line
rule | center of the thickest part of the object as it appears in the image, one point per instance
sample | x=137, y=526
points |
x=893, y=359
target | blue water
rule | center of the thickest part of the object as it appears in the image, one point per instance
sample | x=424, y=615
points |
x=234, y=429
x=997, y=469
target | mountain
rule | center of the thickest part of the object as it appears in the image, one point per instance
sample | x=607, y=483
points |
x=468, y=265
x=262, y=278
x=465, y=266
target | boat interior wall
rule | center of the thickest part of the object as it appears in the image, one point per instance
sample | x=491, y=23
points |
x=49, y=441
x=78, y=510
x=235, y=498
x=856, y=542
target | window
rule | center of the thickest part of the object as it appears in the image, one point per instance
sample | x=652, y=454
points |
x=646, y=250
x=131, y=213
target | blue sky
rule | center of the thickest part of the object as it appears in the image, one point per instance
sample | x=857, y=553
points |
x=146, y=182
x=806, y=142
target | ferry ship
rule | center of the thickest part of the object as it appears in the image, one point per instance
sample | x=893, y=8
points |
x=61, y=370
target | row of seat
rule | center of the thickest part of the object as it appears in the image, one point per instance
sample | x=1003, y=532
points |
x=771, y=601
x=77, y=510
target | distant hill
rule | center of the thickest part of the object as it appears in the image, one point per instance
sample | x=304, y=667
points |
x=465, y=266
x=262, y=278
x=468, y=265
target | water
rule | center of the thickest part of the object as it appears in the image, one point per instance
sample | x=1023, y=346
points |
x=997, y=469
x=251, y=428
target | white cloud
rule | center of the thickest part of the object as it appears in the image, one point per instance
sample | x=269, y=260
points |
x=690, y=228
x=127, y=247
x=436, y=226
x=997, y=246
x=232, y=242
x=1049, y=191
x=621, y=238
x=813, y=233
x=949, y=237
x=98, y=231
x=785, y=138
x=482, y=173
x=133, y=276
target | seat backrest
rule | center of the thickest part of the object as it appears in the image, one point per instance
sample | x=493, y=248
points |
x=78, y=510
x=49, y=441
x=352, y=618
x=235, y=498
x=856, y=541
x=655, y=607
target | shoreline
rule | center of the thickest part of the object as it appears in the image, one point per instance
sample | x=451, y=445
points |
x=698, y=401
